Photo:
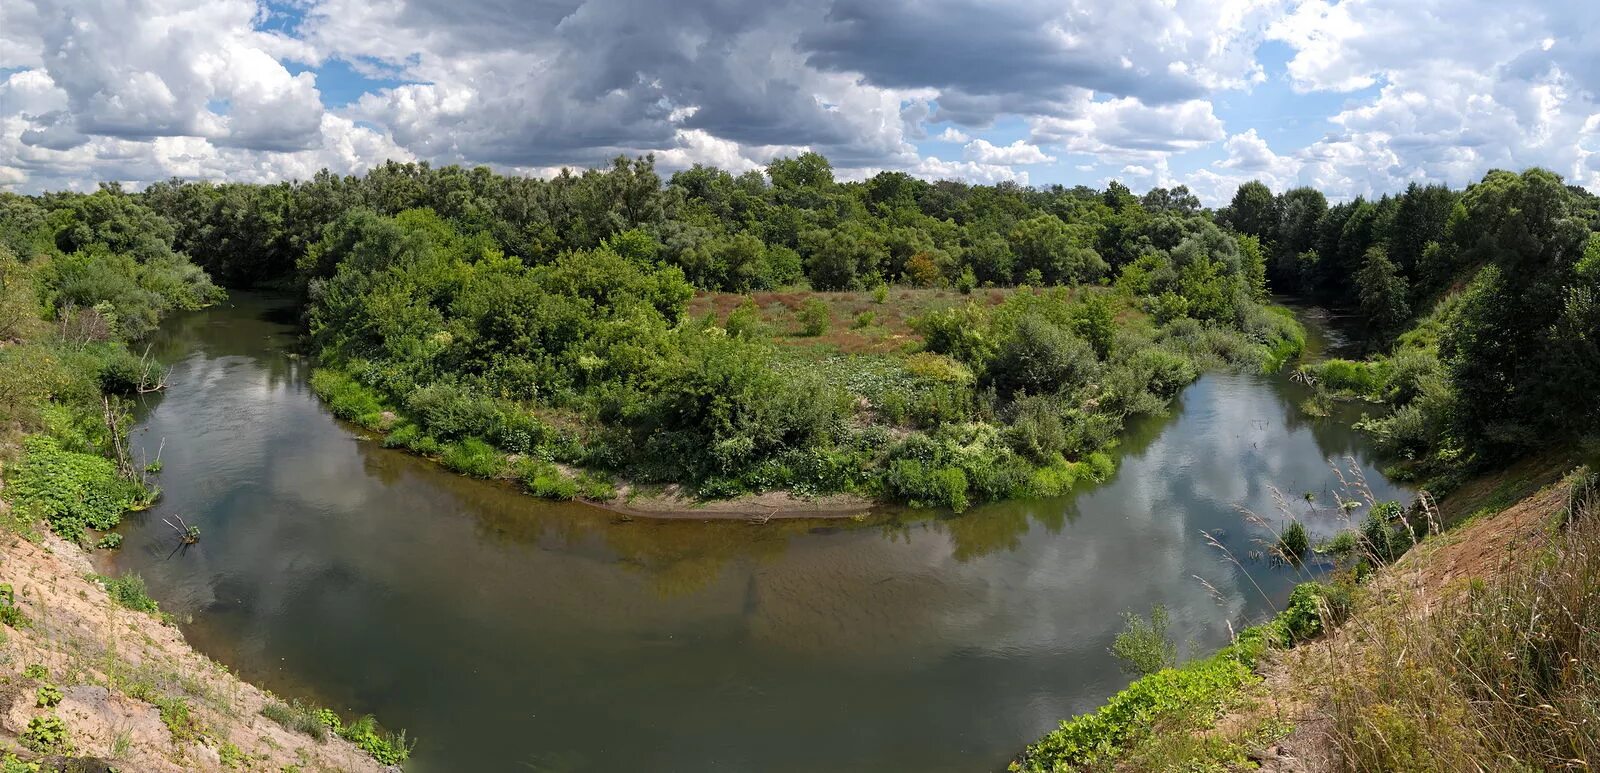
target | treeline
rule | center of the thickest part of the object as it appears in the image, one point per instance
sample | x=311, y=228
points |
x=547, y=320
x=1479, y=307
x=80, y=278
x=759, y=230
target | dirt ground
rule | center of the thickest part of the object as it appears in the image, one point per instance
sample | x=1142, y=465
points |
x=97, y=653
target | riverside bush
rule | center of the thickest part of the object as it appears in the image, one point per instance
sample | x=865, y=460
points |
x=71, y=491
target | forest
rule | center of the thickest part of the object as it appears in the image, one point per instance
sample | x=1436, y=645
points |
x=935, y=343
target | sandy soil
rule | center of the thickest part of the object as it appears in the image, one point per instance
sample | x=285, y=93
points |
x=670, y=502
x=97, y=652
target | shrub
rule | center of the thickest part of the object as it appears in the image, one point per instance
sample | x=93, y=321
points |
x=1144, y=647
x=1041, y=357
x=473, y=457
x=925, y=485
x=814, y=317
x=346, y=397
x=47, y=696
x=1313, y=607
x=35, y=671
x=864, y=320
x=109, y=541
x=596, y=486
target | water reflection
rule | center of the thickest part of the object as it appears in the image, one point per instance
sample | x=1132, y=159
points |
x=509, y=633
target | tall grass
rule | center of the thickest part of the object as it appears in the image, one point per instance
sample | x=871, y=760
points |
x=1502, y=677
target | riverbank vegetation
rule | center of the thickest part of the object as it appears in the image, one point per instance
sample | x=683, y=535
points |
x=1483, y=340
x=932, y=343
x=1478, y=310
x=84, y=279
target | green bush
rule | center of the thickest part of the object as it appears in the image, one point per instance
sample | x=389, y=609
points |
x=473, y=457
x=1144, y=647
x=543, y=479
x=814, y=317
x=1313, y=607
x=47, y=696
x=71, y=491
x=297, y=717
x=46, y=734
x=387, y=748
x=923, y=485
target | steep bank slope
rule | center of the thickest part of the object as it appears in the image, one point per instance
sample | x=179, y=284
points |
x=1467, y=653
x=133, y=694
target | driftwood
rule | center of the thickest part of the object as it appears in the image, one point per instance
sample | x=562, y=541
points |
x=188, y=534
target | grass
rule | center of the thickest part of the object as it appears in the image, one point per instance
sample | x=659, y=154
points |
x=298, y=717
x=1502, y=677
x=888, y=331
x=388, y=748
x=129, y=591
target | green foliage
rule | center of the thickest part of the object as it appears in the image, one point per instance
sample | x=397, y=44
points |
x=129, y=591
x=814, y=317
x=11, y=764
x=1293, y=542
x=1313, y=608
x=1144, y=646
x=47, y=696
x=543, y=479
x=924, y=485
x=385, y=747
x=181, y=723
x=46, y=734
x=297, y=717
x=472, y=456
x=35, y=671
x=109, y=541
x=71, y=491
x=1172, y=700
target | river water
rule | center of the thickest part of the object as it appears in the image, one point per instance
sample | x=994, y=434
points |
x=508, y=633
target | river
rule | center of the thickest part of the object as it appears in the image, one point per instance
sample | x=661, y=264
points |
x=508, y=633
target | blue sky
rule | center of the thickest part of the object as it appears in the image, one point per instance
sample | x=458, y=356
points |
x=1356, y=97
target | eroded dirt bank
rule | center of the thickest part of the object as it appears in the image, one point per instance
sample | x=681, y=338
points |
x=133, y=694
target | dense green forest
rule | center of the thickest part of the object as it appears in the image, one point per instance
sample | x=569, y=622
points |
x=611, y=324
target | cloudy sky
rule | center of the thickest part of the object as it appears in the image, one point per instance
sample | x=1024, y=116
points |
x=1354, y=97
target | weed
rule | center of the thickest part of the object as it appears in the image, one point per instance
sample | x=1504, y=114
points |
x=129, y=590
x=109, y=541
x=385, y=747
x=1293, y=542
x=47, y=696
x=36, y=671
x=297, y=717
x=180, y=721
x=47, y=734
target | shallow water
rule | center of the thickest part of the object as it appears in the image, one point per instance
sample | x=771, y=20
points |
x=508, y=633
